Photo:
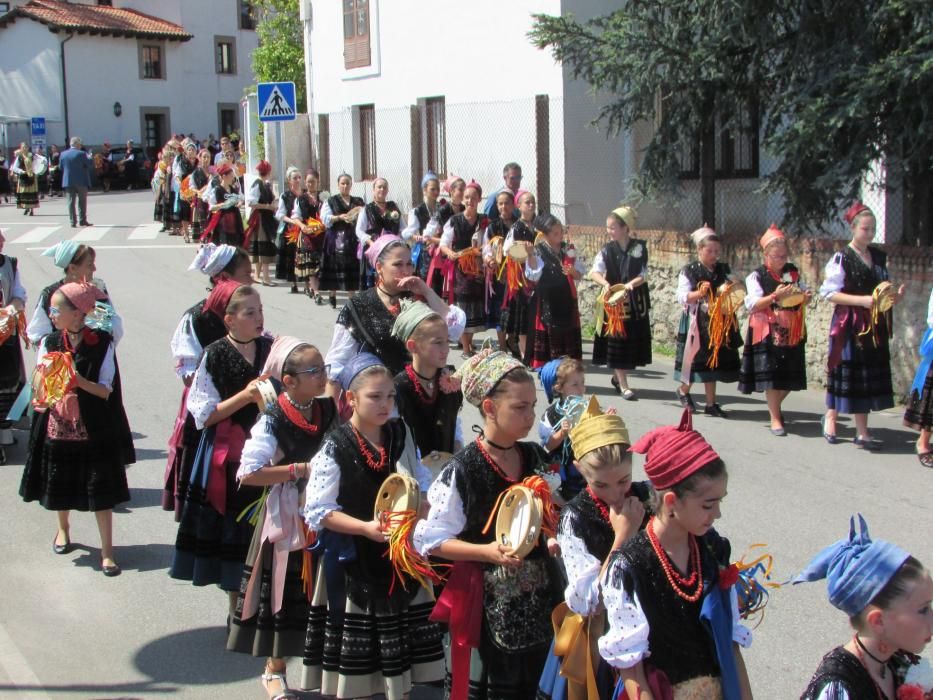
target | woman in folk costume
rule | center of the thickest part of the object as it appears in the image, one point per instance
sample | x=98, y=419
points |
x=671, y=602
x=262, y=227
x=623, y=344
x=199, y=327
x=514, y=318
x=213, y=532
x=295, y=208
x=365, y=322
x=78, y=261
x=423, y=247
x=368, y=631
x=184, y=166
x=886, y=594
x=200, y=183
x=554, y=317
x=167, y=190
x=498, y=606
x=774, y=359
x=271, y=615
x=708, y=342
x=77, y=457
x=919, y=412
x=461, y=243
x=438, y=272
x=497, y=269
x=378, y=218
x=13, y=330
x=341, y=269
x=226, y=222
x=27, y=184
x=858, y=378
x=596, y=522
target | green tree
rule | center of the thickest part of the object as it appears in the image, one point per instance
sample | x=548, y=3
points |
x=280, y=55
x=837, y=85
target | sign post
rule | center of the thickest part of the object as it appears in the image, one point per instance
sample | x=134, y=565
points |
x=276, y=103
x=37, y=133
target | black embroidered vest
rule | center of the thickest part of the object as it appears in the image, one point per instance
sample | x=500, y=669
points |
x=370, y=324
x=207, y=326
x=433, y=423
x=231, y=373
x=380, y=221
x=861, y=280
x=296, y=444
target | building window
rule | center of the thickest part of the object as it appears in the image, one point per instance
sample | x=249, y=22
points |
x=435, y=136
x=356, y=53
x=227, y=115
x=247, y=21
x=225, y=55
x=736, y=150
x=4, y=7
x=367, y=142
x=151, y=66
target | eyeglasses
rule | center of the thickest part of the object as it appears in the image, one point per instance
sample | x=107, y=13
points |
x=315, y=370
x=54, y=311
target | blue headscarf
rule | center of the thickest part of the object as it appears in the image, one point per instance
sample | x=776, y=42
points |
x=357, y=364
x=548, y=375
x=856, y=569
x=62, y=253
x=428, y=176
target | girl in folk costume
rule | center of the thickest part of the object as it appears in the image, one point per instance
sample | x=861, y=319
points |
x=461, y=243
x=368, y=631
x=184, y=166
x=428, y=400
x=295, y=208
x=226, y=223
x=341, y=269
x=859, y=367
x=262, y=227
x=498, y=606
x=423, y=247
x=596, y=522
x=77, y=459
x=438, y=272
x=378, y=218
x=919, y=412
x=514, y=318
x=313, y=188
x=79, y=264
x=199, y=327
x=674, y=629
x=200, y=183
x=160, y=176
x=365, y=323
x=271, y=614
x=12, y=329
x=554, y=318
x=886, y=594
x=213, y=539
x=623, y=344
x=167, y=191
x=27, y=184
x=696, y=361
x=773, y=360
x=497, y=233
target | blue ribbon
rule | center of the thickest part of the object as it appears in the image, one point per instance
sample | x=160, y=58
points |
x=716, y=613
x=926, y=353
x=21, y=404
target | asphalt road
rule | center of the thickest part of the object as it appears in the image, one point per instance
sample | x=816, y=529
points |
x=66, y=631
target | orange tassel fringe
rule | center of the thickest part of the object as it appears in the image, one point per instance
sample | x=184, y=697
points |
x=406, y=562
x=549, y=514
x=57, y=376
x=469, y=262
x=615, y=321
x=307, y=571
x=721, y=321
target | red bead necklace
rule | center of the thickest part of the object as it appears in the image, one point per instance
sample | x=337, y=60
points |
x=492, y=463
x=295, y=416
x=419, y=389
x=600, y=504
x=370, y=455
x=678, y=582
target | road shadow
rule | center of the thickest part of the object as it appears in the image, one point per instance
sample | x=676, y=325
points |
x=140, y=498
x=146, y=453
x=131, y=557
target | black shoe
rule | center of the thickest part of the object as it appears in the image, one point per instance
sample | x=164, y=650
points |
x=686, y=400
x=715, y=410
x=61, y=548
x=294, y=290
x=111, y=571
x=74, y=225
x=333, y=303
x=3, y=457
x=86, y=223
x=318, y=299
x=615, y=383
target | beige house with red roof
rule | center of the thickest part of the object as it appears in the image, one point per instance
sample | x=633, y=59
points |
x=114, y=70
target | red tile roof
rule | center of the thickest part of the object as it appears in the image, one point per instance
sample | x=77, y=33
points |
x=59, y=15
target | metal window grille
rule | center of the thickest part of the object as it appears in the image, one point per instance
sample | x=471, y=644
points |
x=436, y=135
x=367, y=142
x=225, y=57
x=152, y=62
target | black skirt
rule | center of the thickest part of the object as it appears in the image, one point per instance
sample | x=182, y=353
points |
x=769, y=366
x=919, y=413
x=861, y=382
x=11, y=373
x=630, y=352
x=340, y=271
x=285, y=262
x=514, y=317
x=727, y=368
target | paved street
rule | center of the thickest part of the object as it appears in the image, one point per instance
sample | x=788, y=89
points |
x=66, y=631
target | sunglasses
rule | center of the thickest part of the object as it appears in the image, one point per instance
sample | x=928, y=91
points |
x=315, y=370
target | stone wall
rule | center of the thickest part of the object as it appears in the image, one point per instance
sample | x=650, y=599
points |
x=669, y=251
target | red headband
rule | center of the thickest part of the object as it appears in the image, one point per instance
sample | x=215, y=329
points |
x=674, y=452
x=220, y=296
x=223, y=169
x=853, y=211
x=263, y=167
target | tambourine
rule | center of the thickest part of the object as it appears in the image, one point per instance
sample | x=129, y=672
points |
x=398, y=493
x=518, y=252
x=495, y=248
x=795, y=298
x=617, y=296
x=883, y=297
x=40, y=164
x=436, y=461
x=268, y=396
x=186, y=192
x=12, y=322
x=518, y=522
x=733, y=295
x=354, y=214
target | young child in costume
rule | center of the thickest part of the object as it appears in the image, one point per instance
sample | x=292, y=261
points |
x=368, y=631
x=271, y=615
x=919, y=412
x=498, y=607
x=428, y=400
x=514, y=317
x=887, y=595
x=674, y=629
x=599, y=520
x=213, y=539
x=77, y=457
x=497, y=277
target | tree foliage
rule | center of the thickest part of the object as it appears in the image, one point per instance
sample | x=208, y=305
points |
x=280, y=55
x=838, y=85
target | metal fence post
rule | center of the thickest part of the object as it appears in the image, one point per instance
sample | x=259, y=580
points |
x=416, y=155
x=543, y=153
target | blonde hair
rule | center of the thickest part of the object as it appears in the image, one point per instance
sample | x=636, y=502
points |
x=238, y=297
x=566, y=369
x=603, y=457
x=427, y=324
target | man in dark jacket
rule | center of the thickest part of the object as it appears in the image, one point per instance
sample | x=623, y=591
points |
x=76, y=179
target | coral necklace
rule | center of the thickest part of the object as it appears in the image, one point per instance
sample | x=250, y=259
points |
x=415, y=379
x=492, y=463
x=370, y=455
x=678, y=582
x=600, y=504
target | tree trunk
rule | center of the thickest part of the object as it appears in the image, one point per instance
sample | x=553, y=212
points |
x=708, y=163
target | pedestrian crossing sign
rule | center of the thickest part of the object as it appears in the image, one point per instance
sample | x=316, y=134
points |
x=276, y=102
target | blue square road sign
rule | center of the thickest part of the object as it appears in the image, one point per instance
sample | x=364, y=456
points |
x=276, y=102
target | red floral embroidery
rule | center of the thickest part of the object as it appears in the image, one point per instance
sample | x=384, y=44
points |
x=728, y=576
x=910, y=692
